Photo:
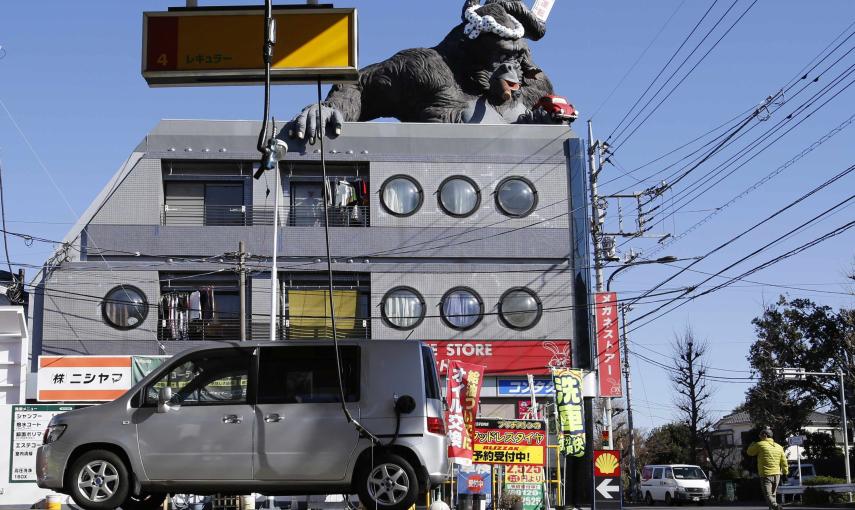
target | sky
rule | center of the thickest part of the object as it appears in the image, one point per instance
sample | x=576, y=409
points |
x=73, y=105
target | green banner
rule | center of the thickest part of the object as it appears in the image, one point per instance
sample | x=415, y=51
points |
x=532, y=494
x=571, y=419
x=141, y=366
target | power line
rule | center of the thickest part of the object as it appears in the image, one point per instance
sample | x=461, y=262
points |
x=671, y=59
x=637, y=60
x=758, y=224
x=618, y=143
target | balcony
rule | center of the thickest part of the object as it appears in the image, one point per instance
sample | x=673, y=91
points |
x=229, y=329
x=247, y=215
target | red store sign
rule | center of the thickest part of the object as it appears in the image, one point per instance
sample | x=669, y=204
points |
x=608, y=347
x=504, y=357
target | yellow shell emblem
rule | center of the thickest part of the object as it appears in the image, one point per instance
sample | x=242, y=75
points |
x=607, y=463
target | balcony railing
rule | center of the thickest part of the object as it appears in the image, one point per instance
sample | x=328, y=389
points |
x=247, y=215
x=229, y=329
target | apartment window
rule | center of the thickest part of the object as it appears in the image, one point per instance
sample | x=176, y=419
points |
x=204, y=307
x=516, y=196
x=462, y=308
x=459, y=196
x=401, y=195
x=403, y=308
x=306, y=305
x=124, y=307
x=520, y=308
x=204, y=203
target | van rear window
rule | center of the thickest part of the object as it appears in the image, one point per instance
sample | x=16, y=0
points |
x=431, y=380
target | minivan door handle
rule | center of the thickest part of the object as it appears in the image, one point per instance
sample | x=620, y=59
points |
x=272, y=418
x=232, y=418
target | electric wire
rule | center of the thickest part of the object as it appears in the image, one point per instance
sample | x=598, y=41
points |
x=637, y=60
x=671, y=59
x=618, y=143
x=768, y=218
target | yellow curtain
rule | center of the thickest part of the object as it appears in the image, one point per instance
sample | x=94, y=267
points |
x=309, y=312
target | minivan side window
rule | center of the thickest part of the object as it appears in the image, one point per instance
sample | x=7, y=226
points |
x=669, y=473
x=307, y=374
x=206, y=378
x=647, y=473
x=657, y=474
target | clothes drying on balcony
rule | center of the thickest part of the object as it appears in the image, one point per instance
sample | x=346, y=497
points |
x=180, y=310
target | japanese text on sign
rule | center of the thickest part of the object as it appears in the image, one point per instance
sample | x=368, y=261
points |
x=514, y=387
x=568, y=399
x=510, y=441
x=28, y=426
x=83, y=378
x=608, y=351
x=464, y=389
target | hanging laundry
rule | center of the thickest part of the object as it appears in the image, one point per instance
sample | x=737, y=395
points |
x=195, y=305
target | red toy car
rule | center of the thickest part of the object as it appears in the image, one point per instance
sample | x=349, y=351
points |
x=558, y=108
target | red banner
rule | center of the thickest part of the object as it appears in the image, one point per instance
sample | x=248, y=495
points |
x=464, y=389
x=608, y=345
x=506, y=357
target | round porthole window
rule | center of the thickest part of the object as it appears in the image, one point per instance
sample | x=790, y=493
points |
x=520, y=308
x=459, y=196
x=401, y=195
x=403, y=308
x=461, y=308
x=516, y=196
x=124, y=307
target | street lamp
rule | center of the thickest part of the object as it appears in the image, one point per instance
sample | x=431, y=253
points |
x=661, y=260
x=798, y=374
x=632, y=468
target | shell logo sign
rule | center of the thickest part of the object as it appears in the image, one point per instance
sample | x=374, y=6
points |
x=606, y=463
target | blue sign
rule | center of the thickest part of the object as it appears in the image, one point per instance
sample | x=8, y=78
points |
x=475, y=479
x=519, y=387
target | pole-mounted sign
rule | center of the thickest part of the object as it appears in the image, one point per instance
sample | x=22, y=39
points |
x=222, y=46
x=608, y=350
x=607, y=490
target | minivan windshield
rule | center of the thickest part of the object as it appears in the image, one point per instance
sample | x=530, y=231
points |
x=689, y=473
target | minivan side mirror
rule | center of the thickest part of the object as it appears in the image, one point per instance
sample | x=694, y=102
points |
x=163, y=398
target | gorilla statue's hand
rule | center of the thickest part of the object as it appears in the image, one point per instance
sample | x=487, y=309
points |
x=306, y=125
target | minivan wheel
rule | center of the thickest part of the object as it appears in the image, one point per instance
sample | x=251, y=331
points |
x=389, y=483
x=668, y=499
x=144, y=502
x=648, y=498
x=98, y=480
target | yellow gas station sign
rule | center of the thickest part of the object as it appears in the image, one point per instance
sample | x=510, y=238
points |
x=222, y=46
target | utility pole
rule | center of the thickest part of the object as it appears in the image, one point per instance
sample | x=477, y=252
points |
x=241, y=256
x=845, y=427
x=242, y=275
x=596, y=222
x=628, y=377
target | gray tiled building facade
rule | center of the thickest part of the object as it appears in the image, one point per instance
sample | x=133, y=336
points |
x=171, y=218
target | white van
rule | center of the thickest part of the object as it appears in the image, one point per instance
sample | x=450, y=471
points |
x=674, y=483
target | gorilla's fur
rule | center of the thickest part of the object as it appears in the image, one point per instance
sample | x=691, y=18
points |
x=450, y=82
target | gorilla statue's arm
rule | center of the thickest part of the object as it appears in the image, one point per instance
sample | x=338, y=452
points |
x=414, y=85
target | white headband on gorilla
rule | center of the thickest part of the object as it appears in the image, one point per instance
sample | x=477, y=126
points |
x=477, y=24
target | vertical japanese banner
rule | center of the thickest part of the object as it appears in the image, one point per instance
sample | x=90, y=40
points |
x=571, y=423
x=464, y=389
x=608, y=346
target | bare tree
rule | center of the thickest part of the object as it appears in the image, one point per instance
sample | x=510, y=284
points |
x=692, y=396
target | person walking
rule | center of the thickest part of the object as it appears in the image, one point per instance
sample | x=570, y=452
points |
x=771, y=464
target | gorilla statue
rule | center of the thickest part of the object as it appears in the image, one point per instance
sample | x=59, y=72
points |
x=482, y=72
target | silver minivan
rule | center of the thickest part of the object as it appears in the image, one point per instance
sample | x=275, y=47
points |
x=259, y=417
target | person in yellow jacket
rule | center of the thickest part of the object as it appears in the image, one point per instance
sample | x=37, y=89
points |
x=771, y=464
